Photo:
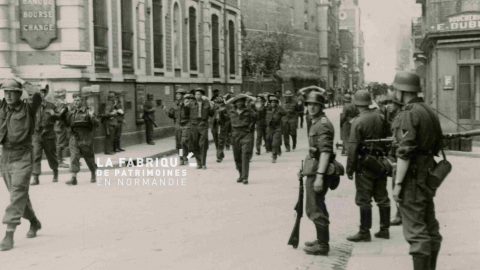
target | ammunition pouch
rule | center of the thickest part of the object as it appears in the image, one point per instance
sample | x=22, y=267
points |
x=375, y=165
x=334, y=170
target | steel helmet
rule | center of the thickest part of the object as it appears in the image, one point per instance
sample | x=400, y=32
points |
x=11, y=84
x=288, y=93
x=347, y=98
x=362, y=98
x=181, y=91
x=315, y=97
x=407, y=82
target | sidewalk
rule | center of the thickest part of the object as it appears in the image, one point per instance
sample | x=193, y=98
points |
x=458, y=211
x=162, y=147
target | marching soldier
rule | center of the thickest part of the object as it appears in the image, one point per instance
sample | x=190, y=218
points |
x=320, y=140
x=274, y=127
x=200, y=111
x=290, y=121
x=119, y=128
x=362, y=162
x=419, y=138
x=219, y=127
x=60, y=127
x=16, y=130
x=261, y=123
x=349, y=112
x=44, y=137
x=149, y=118
x=228, y=124
x=243, y=124
x=300, y=110
x=82, y=122
x=179, y=118
x=110, y=123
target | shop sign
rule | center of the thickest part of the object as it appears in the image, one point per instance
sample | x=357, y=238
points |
x=38, y=22
x=459, y=22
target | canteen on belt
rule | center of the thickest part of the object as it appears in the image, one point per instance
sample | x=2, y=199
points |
x=438, y=174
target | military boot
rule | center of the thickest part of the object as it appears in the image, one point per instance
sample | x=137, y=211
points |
x=55, y=176
x=72, y=181
x=363, y=234
x=35, y=181
x=319, y=247
x=93, y=177
x=421, y=262
x=384, y=223
x=397, y=221
x=7, y=242
x=35, y=226
x=433, y=259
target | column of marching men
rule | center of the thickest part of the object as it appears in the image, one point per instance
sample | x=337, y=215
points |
x=246, y=123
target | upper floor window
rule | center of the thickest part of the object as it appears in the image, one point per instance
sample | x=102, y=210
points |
x=100, y=34
x=215, y=47
x=177, y=36
x=231, y=46
x=127, y=35
x=157, y=34
x=192, y=19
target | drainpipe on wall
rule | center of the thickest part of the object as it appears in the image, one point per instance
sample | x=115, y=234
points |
x=225, y=45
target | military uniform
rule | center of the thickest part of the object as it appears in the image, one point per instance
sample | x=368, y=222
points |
x=419, y=137
x=180, y=118
x=60, y=128
x=82, y=124
x=261, y=128
x=289, y=124
x=149, y=118
x=219, y=128
x=348, y=114
x=368, y=125
x=300, y=111
x=274, y=130
x=44, y=140
x=199, y=113
x=16, y=130
x=120, y=116
x=110, y=123
x=243, y=123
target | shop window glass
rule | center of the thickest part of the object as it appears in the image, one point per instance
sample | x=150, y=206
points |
x=465, y=54
x=127, y=36
x=464, y=94
x=231, y=46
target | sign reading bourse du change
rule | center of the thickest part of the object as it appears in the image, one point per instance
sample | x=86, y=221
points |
x=38, y=22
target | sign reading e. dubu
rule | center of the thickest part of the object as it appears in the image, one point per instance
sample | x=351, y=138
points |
x=459, y=22
x=38, y=22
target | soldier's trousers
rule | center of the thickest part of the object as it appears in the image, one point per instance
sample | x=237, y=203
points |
x=274, y=136
x=62, y=144
x=16, y=166
x=117, y=136
x=300, y=120
x=420, y=226
x=219, y=134
x=368, y=186
x=109, y=137
x=289, y=129
x=199, y=143
x=185, y=132
x=315, y=207
x=47, y=145
x=242, y=151
x=178, y=137
x=81, y=147
x=148, y=131
x=261, y=135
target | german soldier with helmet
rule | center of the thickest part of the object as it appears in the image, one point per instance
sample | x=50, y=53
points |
x=290, y=121
x=274, y=116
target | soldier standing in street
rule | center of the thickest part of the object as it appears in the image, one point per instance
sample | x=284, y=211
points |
x=349, y=112
x=149, y=118
x=61, y=127
x=119, y=128
x=200, y=111
x=228, y=131
x=274, y=127
x=177, y=113
x=261, y=123
x=419, y=138
x=361, y=161
x=243, y=123
x=290, y=121
x=44, y=139
x=82, y=122
x=219, y=127
x=110, y=123
x=320, y=140
x=300, y=110
x=16, y=129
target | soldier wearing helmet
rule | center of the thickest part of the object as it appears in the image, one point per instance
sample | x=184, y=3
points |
x=274, y=116
x=419, y=137
x=110, y=123
x=261, y=123
x=290, y=121
x=349, y=112
x=16, y=130
x=117, y=137
x=60, y=128
x=362, y=162
x=220, y=126
x=149, y=118
x=180, y=118
x=320, y=141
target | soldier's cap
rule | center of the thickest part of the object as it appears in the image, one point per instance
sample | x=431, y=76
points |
x=181, y=91
x=11, y=84
x=273, y=98
x=201, y=90
x=189, y=96
x=239, y=97
x=288, y=93
x=219, y=100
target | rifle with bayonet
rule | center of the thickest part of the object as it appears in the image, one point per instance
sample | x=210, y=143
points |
x=465, y=134
x=295, y=236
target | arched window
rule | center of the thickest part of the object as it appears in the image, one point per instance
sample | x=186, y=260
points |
x=192, y=19
x=215, y=47
x=177, y=36
x=157, y=34
x=231, y=46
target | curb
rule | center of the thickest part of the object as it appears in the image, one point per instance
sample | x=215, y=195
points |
x=463, y=154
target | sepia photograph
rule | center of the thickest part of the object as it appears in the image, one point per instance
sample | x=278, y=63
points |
x=240, y=134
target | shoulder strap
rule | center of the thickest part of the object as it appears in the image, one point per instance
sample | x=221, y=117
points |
x=437, y=125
